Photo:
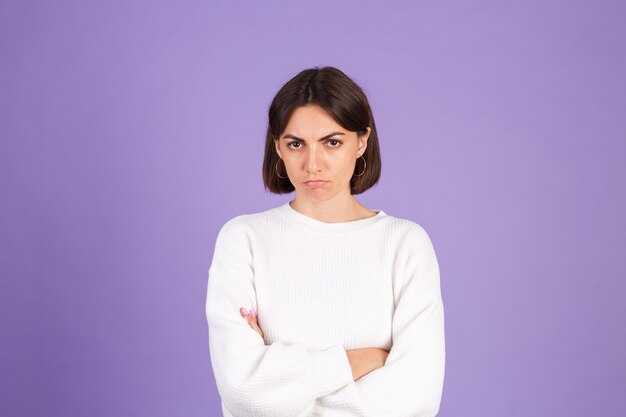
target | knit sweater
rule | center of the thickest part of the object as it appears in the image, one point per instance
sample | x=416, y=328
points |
x=320, y=289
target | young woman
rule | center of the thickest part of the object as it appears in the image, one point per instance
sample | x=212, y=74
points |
x=321, y=306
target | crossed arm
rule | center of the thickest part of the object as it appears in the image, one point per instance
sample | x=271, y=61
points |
x=362, y=361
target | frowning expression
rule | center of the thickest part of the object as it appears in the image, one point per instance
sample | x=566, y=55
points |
x=315, y=147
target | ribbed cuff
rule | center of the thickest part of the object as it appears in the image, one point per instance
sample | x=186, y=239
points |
x=329, y=370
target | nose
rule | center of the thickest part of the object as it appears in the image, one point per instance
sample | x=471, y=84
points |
x=312, y=160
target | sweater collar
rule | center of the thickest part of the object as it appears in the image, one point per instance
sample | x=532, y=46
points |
x=295, y=216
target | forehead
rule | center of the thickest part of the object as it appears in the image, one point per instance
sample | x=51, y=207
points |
x=311, y=119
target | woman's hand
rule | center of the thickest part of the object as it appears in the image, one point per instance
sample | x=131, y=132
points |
x=252, y=319
x=365, y=360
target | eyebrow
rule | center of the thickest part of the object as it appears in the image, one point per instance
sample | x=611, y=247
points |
x=320, y=139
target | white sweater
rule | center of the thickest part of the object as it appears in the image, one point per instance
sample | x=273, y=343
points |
x=320, y=289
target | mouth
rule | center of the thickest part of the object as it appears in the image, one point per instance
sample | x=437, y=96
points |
x=315, y=183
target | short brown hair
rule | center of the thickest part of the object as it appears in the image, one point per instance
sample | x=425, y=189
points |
x=344, y=101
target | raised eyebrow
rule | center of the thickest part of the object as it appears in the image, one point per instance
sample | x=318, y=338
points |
x=330, y=135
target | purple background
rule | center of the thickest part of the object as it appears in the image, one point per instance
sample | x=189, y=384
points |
x=132, y=130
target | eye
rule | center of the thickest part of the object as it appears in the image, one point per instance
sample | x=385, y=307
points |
x=338, y=144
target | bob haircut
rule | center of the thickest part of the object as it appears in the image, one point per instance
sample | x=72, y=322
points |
x=344, y=101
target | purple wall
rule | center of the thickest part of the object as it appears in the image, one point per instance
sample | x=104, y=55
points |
x=131, y=130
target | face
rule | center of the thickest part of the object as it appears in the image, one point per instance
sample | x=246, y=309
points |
x=315, y=147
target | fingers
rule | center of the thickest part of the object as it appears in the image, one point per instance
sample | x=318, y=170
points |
x=251, y=317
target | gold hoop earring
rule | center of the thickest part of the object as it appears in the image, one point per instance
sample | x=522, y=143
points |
x=364, y=167
x=277, y=170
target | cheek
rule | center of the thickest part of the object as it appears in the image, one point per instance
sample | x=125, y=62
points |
x=348, y=161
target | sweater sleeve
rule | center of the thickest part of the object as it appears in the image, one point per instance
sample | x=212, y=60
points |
x=254, y=379
x=410, y=384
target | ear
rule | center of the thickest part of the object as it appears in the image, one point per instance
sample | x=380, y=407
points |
x=363, y=141
x=277, y=147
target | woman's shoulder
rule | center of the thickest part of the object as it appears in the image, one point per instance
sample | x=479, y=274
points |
x=404, y=223
x=250, y=220
x=236, y=233
x=404, y=228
